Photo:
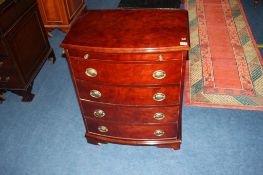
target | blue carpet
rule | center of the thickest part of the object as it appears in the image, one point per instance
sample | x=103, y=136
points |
x=46, y=136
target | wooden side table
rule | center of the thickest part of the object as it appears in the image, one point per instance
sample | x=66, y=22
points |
x=24, y=47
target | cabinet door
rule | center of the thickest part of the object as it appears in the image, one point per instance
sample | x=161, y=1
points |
x=52, y=12
x=28, y=44
x=73, y=6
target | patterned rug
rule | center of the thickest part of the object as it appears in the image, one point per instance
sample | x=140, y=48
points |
x=225, y=66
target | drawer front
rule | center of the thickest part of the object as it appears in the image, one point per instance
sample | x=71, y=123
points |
x=8, y=73
x=130, y=114
x=10, y=81
x=5, y=62
x=130, y=73
x=127, y=57
x=155, y=95
x=133, y=131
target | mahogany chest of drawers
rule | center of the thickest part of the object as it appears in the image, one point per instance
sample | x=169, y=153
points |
x=128, y=70
x=24, y=46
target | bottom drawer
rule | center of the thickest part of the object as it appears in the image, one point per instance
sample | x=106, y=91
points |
x=10, y=82
x=9, y=78
x=132, y=131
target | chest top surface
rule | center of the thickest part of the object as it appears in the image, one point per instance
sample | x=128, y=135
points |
x=124, y=31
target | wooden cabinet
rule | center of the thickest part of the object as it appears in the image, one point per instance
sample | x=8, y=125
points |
x=60, y=13
x=129, y=74
x=24, y=46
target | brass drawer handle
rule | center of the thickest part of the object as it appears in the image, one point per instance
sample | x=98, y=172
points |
x=158, y=116
x=98, y=113
x=95, y=93
x=103, y=129
x=86, y=56
x=159, y=74
x=159, y=97
x=6, y=79
x=159, y=132
x=90, y=72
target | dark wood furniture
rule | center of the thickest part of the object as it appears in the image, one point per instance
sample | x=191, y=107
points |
x=24, y=47
x=128, y=70
x=60, y=13
x=150, y=3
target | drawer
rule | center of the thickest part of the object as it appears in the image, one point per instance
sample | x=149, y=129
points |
x=11, y=82
x=132, y=131
x=9, y=77
x=127, y=57
x=128, y=73
x=129, y=95
x=130, y=114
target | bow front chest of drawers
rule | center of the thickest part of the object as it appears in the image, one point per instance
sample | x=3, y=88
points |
x=128, y=71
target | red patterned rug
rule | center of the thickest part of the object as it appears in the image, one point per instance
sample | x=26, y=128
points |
x=225, y=66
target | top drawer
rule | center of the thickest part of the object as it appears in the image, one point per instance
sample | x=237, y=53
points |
x=128, y=57
x=128, y=73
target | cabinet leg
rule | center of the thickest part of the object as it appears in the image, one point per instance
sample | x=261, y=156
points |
x=27, y=95
x=51, y=57
x=94, y=141
x=175, y=146
x=2, y=98
x=63, y=54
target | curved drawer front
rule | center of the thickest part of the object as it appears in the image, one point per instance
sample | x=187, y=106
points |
x=129, y=57
x=133, y=131
x=124, y=95
x=128, y=73
x=130, y=114
x=11, y=81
